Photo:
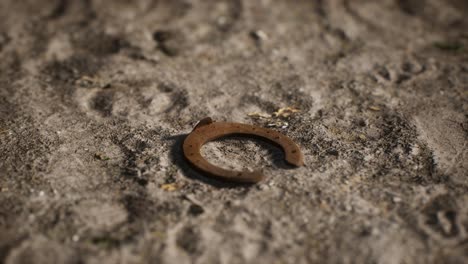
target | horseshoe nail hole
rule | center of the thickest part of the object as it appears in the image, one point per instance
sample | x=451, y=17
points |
x=294, y=151
x=277, y=137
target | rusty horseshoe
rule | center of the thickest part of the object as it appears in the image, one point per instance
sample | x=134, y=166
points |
x=207, y=130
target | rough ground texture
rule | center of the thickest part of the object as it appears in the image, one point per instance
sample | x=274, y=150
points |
x=96, y=97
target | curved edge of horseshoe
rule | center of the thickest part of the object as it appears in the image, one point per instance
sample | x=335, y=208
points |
x=207, y=130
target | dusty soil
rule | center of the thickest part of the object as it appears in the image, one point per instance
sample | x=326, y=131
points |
x=96, y=97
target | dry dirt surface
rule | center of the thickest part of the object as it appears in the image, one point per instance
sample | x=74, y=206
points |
x=97, y=96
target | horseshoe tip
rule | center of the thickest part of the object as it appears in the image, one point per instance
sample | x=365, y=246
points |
x=257, y=177
x=298, y=162
x=253, y=177
x=205, y=121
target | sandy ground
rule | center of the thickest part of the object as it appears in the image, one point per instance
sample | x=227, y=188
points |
x=96, y=97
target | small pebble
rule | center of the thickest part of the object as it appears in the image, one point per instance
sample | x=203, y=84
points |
x=221, y=21
x=258, y=35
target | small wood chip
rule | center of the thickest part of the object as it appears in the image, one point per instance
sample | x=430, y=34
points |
x=101, y=156
x=285, y=112
x=169, y=187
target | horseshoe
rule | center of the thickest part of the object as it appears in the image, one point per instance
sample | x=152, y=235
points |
x=208, y=130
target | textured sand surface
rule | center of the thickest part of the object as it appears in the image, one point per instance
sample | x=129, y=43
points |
x=96, y=97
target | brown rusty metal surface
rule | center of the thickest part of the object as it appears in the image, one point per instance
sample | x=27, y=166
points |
x=207, y=130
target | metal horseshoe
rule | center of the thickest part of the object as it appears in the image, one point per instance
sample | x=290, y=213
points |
x=208, y=130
